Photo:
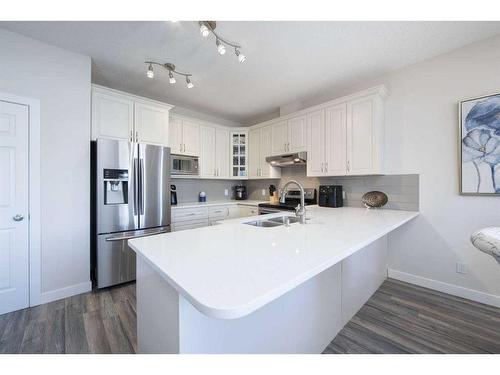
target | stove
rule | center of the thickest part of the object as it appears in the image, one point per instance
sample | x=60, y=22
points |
x=292, y=199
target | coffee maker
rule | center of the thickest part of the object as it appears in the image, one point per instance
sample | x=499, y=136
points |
x=240, y=192
x=173, y=195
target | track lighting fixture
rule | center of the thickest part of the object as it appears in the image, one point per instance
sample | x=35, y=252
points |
x=150, y=73
x=241, y=57
x=221, y=48
x=207, y=27
x=171, y=70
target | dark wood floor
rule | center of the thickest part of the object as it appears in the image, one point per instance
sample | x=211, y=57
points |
x=403, y=318
x=102, y=322
x=399, y=318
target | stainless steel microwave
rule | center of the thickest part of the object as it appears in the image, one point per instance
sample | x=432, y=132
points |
x=184, y=165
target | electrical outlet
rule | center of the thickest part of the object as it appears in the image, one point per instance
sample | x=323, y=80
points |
x=343, y=194
x=461, y=267
x=226, y=192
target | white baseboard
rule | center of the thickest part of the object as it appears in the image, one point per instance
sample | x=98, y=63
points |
x=65, y=292
x=455, y=290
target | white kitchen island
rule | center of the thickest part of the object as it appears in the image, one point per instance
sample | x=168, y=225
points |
x=236, y=288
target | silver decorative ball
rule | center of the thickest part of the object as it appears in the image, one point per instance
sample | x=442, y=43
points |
x=374, y=199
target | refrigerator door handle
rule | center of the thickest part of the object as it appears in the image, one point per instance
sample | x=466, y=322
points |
x=135, y=183
x=123, y=238
x=141, y=186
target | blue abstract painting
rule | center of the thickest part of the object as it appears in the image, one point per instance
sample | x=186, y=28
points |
x=480, y=145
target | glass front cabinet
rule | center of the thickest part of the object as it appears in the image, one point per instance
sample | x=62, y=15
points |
x=239, y=154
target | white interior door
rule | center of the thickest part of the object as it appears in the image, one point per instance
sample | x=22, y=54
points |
x=14, y=251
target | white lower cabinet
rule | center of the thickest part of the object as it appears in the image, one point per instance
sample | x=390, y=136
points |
x=197, y=217
x=245, y=211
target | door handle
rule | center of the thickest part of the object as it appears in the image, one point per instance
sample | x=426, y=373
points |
x=326, y=167
x=321, y=167
x=131, y=136
x=18, y=217
x=136, y=136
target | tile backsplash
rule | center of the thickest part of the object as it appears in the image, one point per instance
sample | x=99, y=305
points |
x=189, y=188
x=402, y=190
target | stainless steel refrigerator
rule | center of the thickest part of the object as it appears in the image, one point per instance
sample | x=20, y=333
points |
x=131, y=199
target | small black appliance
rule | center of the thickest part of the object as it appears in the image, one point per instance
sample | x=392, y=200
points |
x=240, y=192
x=173, y=195
x=330, y=196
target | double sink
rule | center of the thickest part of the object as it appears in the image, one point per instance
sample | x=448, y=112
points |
x=274, y=222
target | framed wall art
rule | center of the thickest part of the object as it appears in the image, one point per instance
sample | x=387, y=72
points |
x=480, y=145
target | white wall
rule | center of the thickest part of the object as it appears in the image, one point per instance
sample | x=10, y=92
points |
x=61, y=81
x=422, y=137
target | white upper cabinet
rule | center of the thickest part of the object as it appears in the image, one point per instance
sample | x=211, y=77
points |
x=279, y=138
x=222, y=153
x=316, y=143
x=184, y=136
x=254, y=153
x=260, y=146
x=175, y=135
x=265, y=150
x=335, y=140
x=151, y=123
x=214, y=152
x=112, y=115
x=296, y=134
x=289, y=136
x=118, y=115
x=207, y=152
x=364, y=135
x=190, y=138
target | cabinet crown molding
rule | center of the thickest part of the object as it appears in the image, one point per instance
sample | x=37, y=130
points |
x=105, y=89
x=380, y=90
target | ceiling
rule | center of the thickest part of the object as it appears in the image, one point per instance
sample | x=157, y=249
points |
x=286, y=61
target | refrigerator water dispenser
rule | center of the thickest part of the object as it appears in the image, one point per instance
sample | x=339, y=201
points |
x=115, y=186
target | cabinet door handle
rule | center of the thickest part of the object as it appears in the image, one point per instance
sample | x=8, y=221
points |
x=321, y=167
x=348, y=166
x=131, y=136
x=136, y=136
x=326, y=167
x=180, y=147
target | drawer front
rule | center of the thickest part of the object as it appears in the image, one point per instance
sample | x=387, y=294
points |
x=185, y=214
x=248, y=211
x=218, y=212
x=191, y=224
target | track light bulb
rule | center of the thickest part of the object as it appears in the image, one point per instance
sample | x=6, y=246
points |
x=241, y=57
x=172, y=78
x=220, y=47
x=150, y=73
x=204, y=31
x=189, y=84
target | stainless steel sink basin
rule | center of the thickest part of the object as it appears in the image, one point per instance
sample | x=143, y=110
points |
x=274, y=222
x=264, y=223
x=282, y=219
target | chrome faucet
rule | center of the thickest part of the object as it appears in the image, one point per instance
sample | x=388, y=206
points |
x=300, y=210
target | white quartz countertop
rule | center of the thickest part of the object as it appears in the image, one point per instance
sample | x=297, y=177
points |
x=230, y=270
x=245, y=202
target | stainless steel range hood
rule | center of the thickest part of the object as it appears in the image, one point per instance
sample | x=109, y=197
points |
x=285, y=160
